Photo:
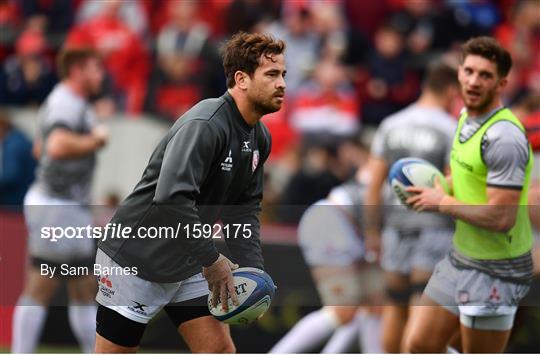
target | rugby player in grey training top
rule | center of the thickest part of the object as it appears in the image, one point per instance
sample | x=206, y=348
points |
x=412, y=243
x=68, y=139
x=208, y=167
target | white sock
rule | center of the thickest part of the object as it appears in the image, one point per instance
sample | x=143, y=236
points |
x=370, y=333
x=343, y=338
x=309, y=332
x=82, y=318
x=28, y=320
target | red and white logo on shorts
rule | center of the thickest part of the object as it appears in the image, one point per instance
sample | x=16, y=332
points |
x=105, y=281
x=463, y=297
x=494, y=295
x=105, y=286
x=255, y=161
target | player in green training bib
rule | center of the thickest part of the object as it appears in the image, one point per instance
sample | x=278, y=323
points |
x=475, y=290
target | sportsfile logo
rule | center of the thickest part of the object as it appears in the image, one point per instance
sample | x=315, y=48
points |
x=228, y=162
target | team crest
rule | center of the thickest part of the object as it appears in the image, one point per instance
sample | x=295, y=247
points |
x=255, y=161
x=463, y=297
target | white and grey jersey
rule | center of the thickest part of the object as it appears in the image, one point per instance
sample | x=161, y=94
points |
x=65, y=178
x=505, y=150
x=421, y=132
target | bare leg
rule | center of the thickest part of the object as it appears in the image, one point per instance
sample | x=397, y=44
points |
x=394, y=316
x=432, y=328
x=31, y=310
x=82, y=310
x=417, y=277
x=207, y=335
x=484, y=341
x=40, y=288
x=82, y=289
x=104, y=346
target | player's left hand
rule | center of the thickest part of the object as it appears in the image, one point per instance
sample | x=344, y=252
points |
x=220, y=281
x=426, y=199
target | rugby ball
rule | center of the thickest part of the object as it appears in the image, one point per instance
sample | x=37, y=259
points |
x=255, y=290
x=413, y=172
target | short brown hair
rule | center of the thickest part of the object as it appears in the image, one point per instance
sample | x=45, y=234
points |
x=488, y=48
x=244, y=50
x=69, y=57
x=440, y=76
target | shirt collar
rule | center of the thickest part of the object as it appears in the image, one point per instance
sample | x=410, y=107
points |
x=486, y=116
x=236, y=113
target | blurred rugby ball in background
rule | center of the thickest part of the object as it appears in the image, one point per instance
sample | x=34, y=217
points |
x=413, y=172
x=255, y=290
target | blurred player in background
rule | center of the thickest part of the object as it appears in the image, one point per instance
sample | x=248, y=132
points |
x=208, y=167
x=69, y=137
x=329, y=235
x=411, y=243
x=527, y=109
x=476, y=289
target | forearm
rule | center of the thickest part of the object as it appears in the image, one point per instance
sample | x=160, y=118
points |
x=71, y=145
x=497, y=218
x=371, y=216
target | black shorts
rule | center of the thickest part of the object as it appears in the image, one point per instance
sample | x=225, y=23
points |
x=125, y=332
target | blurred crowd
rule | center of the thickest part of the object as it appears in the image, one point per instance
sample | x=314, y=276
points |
x=350, y=64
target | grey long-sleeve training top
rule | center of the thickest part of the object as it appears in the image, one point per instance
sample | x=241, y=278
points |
x=209, y=167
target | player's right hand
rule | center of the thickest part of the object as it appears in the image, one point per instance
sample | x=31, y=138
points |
x=101, y=134
x=220, y=281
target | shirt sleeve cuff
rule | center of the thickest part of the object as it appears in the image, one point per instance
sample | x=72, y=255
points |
x=210, y=258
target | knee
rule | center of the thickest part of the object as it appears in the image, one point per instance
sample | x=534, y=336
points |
x=343, y=314
x=30, y=300
x=221, y=346
x=415, y=344
x=229, y=348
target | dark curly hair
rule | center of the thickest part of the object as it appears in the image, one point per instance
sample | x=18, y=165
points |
x=488, y=48
x=244, y=50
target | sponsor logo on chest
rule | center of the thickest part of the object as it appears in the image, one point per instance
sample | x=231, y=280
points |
x=246, y=147
x=227, y=164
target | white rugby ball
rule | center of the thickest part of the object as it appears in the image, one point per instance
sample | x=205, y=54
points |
x=418, y=172
x=255, y=290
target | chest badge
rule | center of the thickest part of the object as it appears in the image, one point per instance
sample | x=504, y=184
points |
x=227, y=163
x=246, y=147
x=255, y=161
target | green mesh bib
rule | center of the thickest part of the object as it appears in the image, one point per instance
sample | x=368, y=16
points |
x=469, y=175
